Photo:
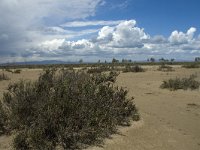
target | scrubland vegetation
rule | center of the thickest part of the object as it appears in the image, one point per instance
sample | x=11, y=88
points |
x=17, y=71
x=66, y=108
x=192, y=65
x=181, y=83
x=135, y=68
x=74, y=109
x=3, y=77
x=164, y=67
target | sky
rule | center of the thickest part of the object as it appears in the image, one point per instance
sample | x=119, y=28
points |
x=92, y=30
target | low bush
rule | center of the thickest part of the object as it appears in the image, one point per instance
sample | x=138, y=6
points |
x=2, y=119
x=193, y=65
x=99, y=69
x=8, y=70
x=184, y=83
x=17, y=71
x=70, y=109
x=4, y=77
x=135, y=68
x=164, y=67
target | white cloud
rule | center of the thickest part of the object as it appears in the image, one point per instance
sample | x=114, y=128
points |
x=106, y=34
x=125, y=34
x=30, y=38
x=181, y=38
x=91, y=23
x=124, y=39
x=52, y=45
x=115, y=39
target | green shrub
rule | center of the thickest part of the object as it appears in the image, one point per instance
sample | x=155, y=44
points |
x=135, y=68
x=4, y=77
x=68, y=109
x=184, y=83
x=164, y=67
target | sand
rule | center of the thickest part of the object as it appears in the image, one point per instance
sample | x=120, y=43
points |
x=170, y=120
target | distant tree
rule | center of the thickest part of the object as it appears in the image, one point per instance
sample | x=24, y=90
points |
x=152, y=59
x=115, y=60
x=99, y=61
x=163, y=60
x=126, y=60
x=172, y=60
x=197, y=59
x=80, y=61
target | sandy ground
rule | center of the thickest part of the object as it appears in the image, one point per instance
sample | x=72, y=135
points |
x=168, y=121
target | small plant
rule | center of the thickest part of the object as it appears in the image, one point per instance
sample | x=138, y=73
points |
x=164, y=67
x=99, y=69
x=135, y=68
x=184, y=83
x=4, y=77
x=69, y=109
x=193, y=65
x=8, y=70
x=2, y=119
x=17, y=71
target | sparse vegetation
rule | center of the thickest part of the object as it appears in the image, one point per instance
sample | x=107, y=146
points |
x=99, y=69
x=184, y=83
x=70, y=109
x=17, y=71
x=164, y=67
x=192, y=65
x=2, y=120
x=8, y=70
x=3, y=77
x=134, y=68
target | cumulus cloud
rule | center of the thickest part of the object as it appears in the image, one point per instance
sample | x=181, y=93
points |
x=181, y=38
x=128, y=35
x=110, y=40
x=125, y=34
x=105, y=34
x=25, y=32
x=125, y=39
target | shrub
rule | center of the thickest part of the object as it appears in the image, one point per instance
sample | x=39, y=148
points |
x=68, y=109
x=4, y=77
x=8, y=70
x=17, y=71
x=164, y=67
x=2, y=119
x=135, y=68
x=184, y=83
x=99, y=69
x=193, y=65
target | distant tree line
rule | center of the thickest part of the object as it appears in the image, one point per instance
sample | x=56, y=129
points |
x=152, y=59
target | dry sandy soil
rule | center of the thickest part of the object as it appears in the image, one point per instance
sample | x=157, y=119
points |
x=170, y=120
